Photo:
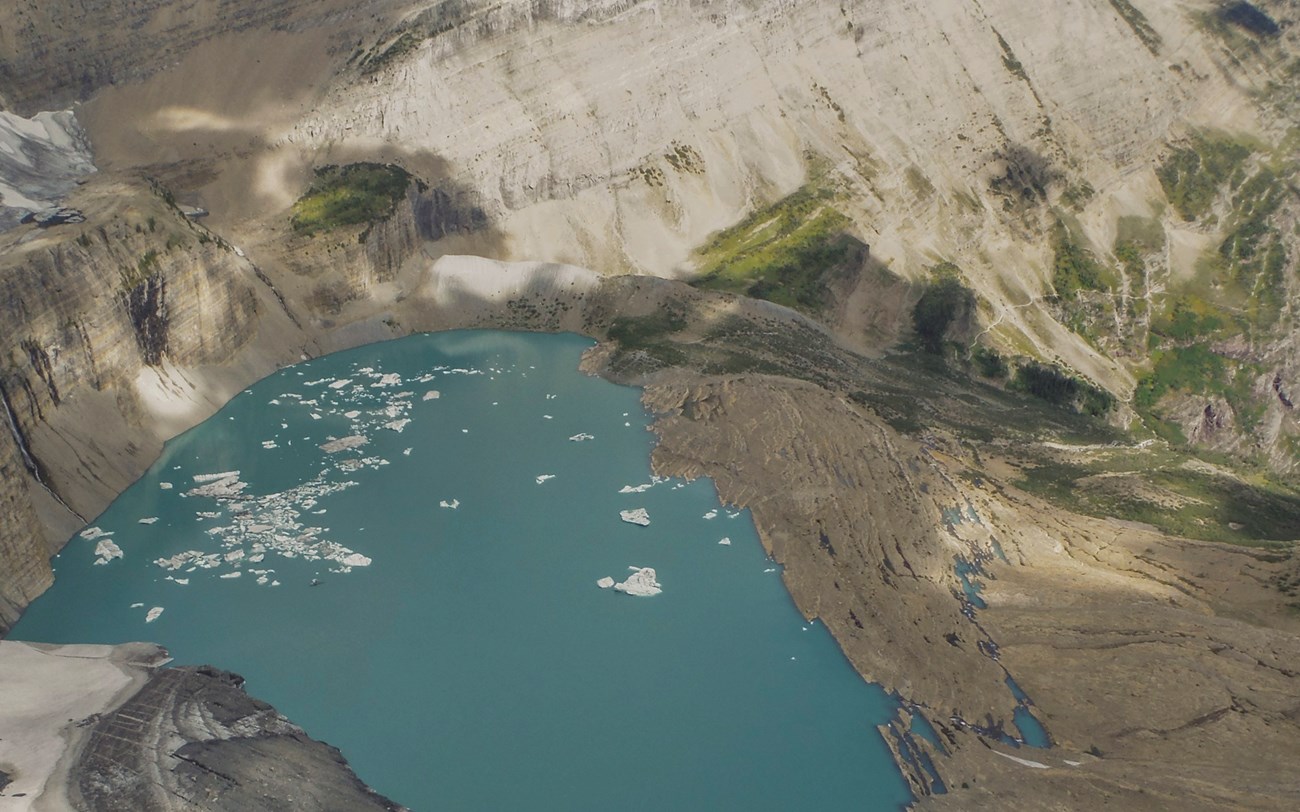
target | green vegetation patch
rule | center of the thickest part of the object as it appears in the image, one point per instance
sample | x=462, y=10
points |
x=1060, y=388
x=1075, y=268
x=1193, y=174
x=1198, y=370
x=1158, y=490
x=782, y=252
x=944, y=302
x=349, y=195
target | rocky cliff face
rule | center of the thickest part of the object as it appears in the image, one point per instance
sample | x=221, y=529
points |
x=106, y=728
x=1040, y=161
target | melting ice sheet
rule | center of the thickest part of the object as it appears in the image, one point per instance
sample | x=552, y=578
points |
x=465, y=658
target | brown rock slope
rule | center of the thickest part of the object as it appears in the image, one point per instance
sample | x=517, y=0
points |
x=1161, y=668
x=191, y=738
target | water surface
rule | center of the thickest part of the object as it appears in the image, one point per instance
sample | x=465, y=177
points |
x=473, y=663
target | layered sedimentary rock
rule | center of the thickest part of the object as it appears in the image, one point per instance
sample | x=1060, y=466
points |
x=105, y=728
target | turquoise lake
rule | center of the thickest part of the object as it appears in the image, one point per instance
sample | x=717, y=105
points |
x=473, y=663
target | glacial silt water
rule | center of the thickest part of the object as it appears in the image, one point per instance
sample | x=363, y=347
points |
x=423, y=602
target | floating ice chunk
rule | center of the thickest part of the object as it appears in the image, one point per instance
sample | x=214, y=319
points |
x=352, y=415
x=582, y=437
x=340, y=383
x=605, y=583
x=547, y=417
x=225, y=488
x=712, y=514
x=315, y=416
x=107, y=551
x=726, y=542
x=257, y=558
x=137, y=605
x=229, y=575
x=273, y=402
x=733, y=514
x=153, y=614
x=269, y=444
x=627, y=424
x=181, y=581
x=390, y=379
x=261, y=580
x=635, y=516
x=453, y=504
x=166, y=486
x=344, y=443
x=550, y=397
x=397, y=425
x=464, y=431
x=770, y=569
x=147, y=520
x=635, y=488
x=432, y=394
x=406, y=452
x=544, y=477
x=234, y=555
x=201, y=478
x=275, y=583
x=640, y=583
x=92, y=533
x=354, y=560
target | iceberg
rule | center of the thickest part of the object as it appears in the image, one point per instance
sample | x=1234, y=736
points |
x=712, y=514
x=726, y=542
x=147, y=520
x=344, y=443
x=432, y=394
x=582, y=437
x=605, y=583
x=397, y=425
x=166, y=486
x=225, y=488
x=228, y=575
x=153, y=614
x=355, y=560
x=107, y=551
x=201, y=478
x=637, y=516
x=452, y=505
x=92, y=533
x=544, y=477
x=640, y=583
x=340, y=383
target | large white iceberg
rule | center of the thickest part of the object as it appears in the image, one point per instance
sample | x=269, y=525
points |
x=635, y=516
x=344, y=443
x=640, y=583
x=107, y=551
